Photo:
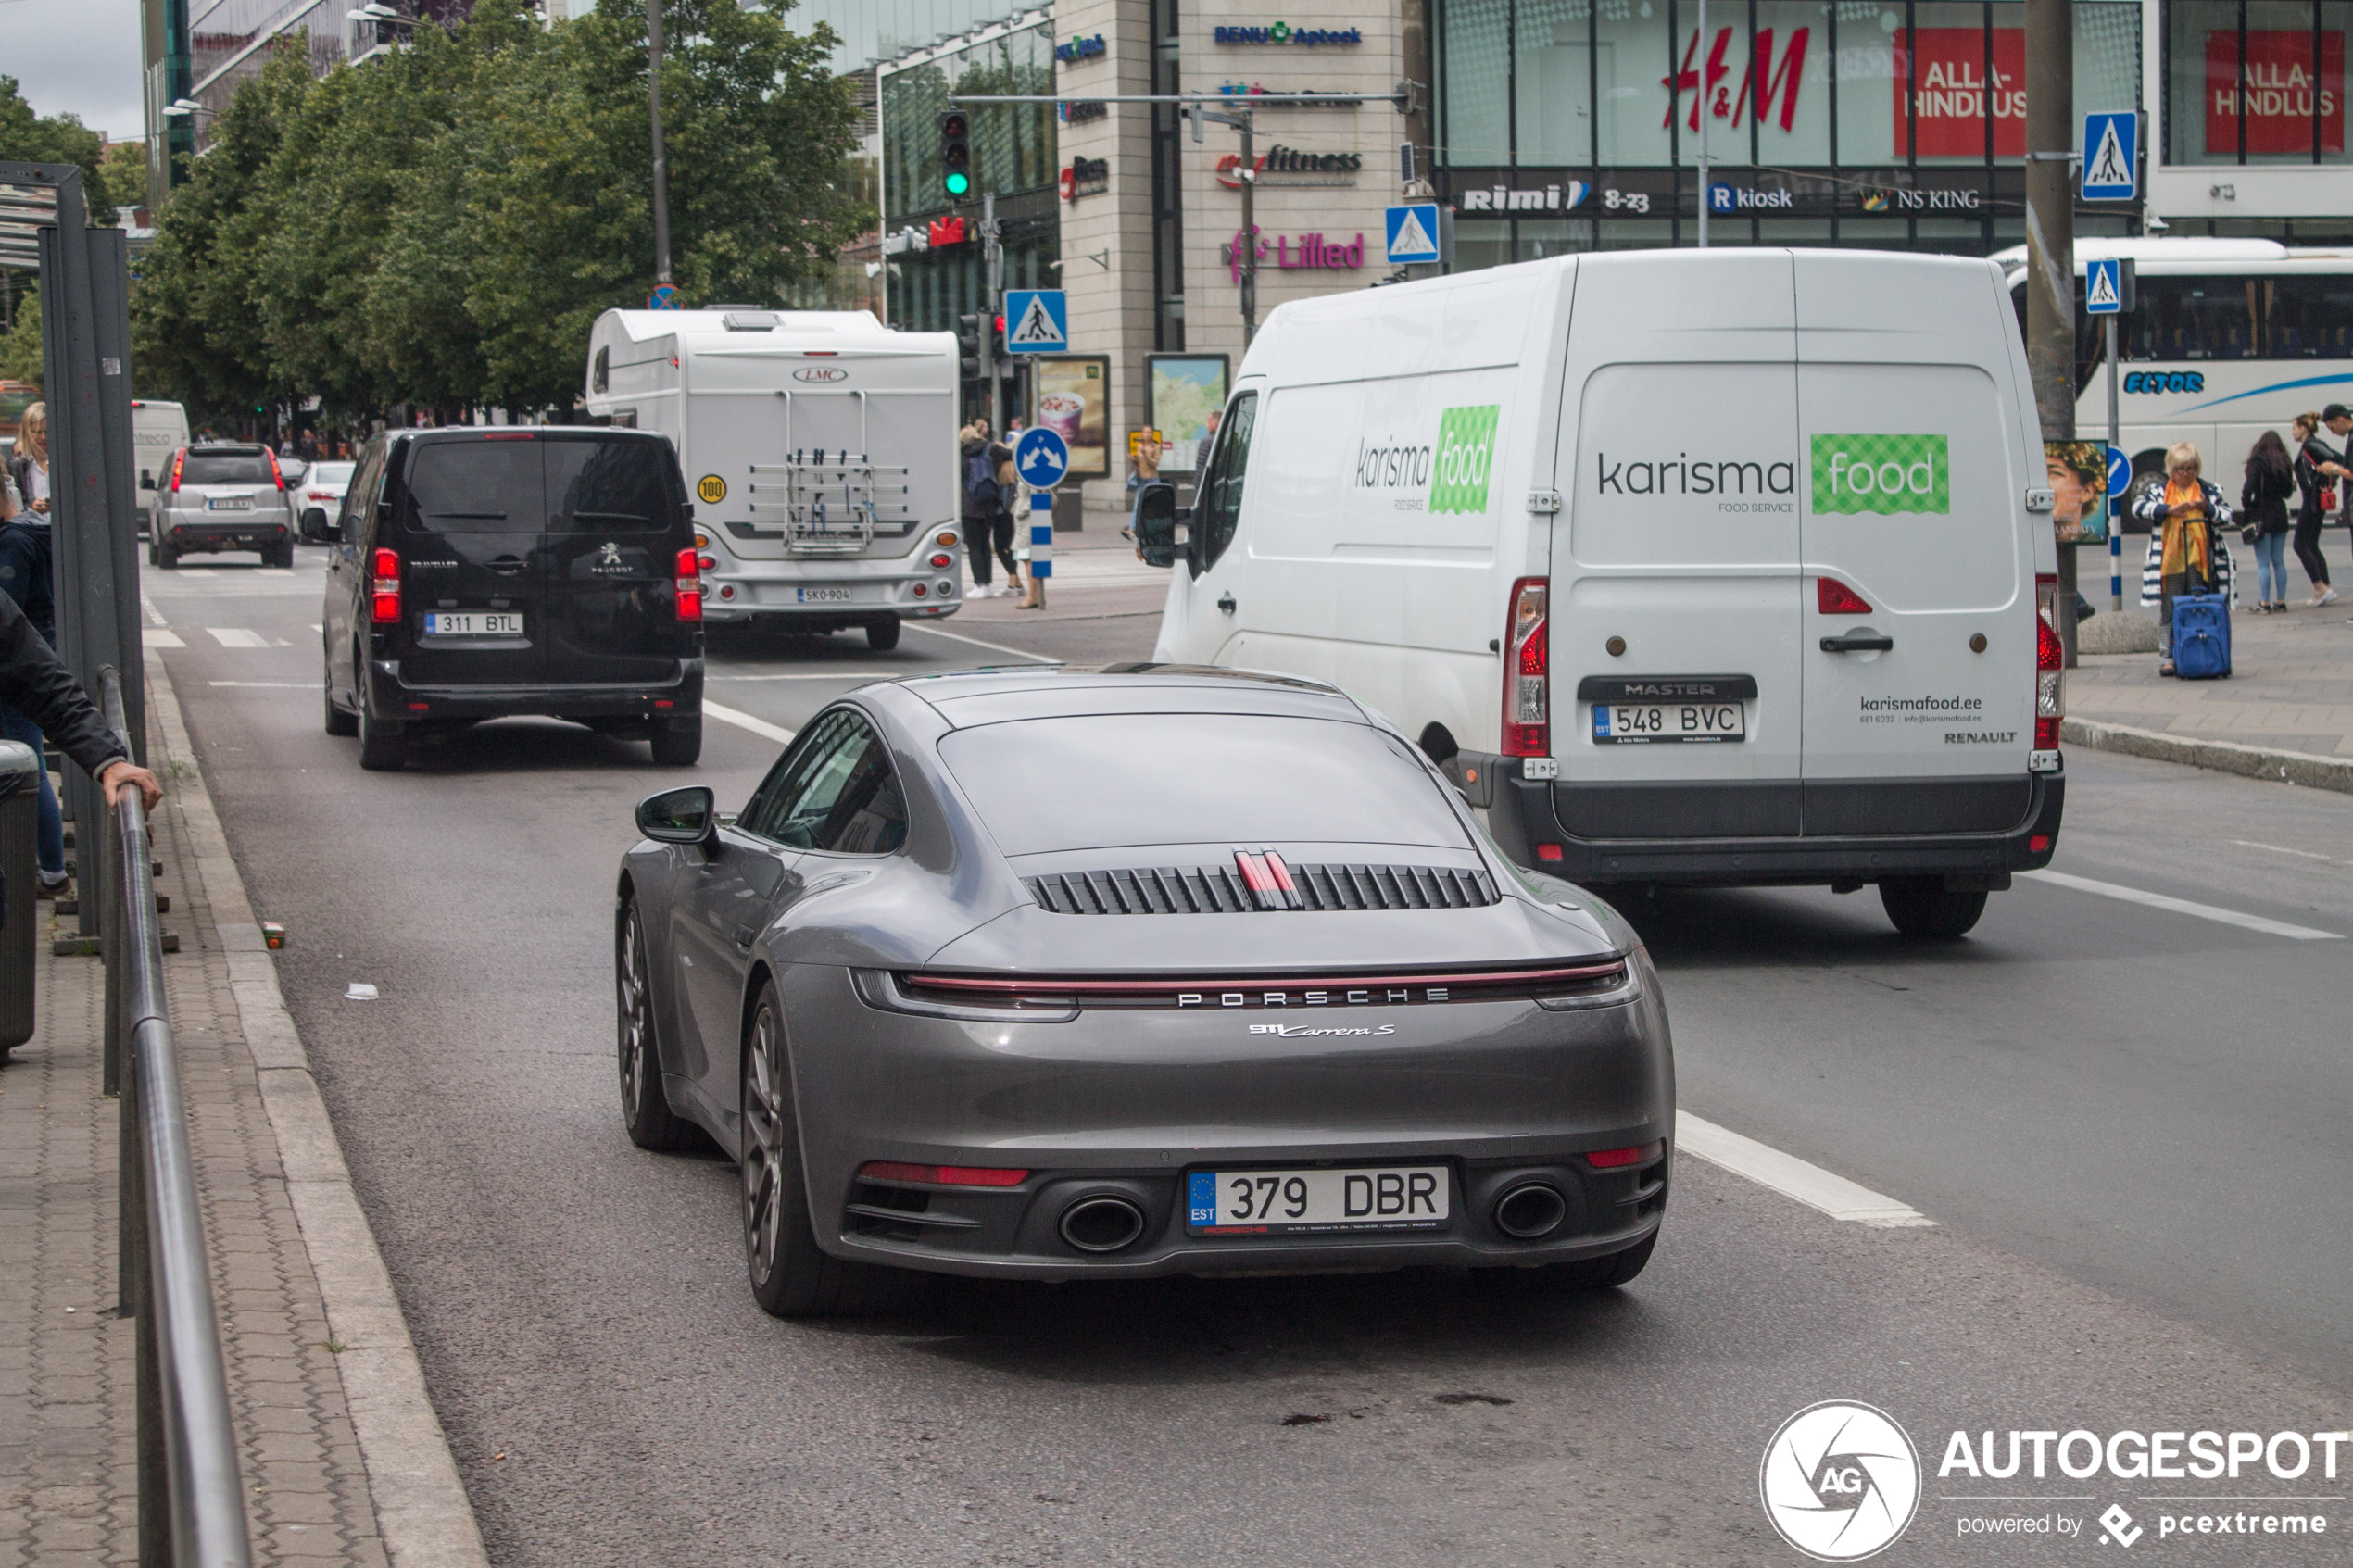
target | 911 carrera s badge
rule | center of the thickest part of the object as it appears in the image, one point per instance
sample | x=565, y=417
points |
x=1298, y=1031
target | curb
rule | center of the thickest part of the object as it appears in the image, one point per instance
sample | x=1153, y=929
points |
x=423, y=1513
x=2221, y=756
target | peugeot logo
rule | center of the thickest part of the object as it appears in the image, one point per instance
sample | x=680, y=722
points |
x=609, y=554
x=820, y=373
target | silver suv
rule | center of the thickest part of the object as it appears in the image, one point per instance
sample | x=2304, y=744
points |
x=220, y=497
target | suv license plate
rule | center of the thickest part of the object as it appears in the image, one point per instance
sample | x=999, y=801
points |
x=474, y=624
x=1643, y=723
x=229, y=503
x=825, y=595
x=1392, y=1198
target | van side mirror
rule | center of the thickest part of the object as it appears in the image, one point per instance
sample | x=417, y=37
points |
x=1154, y=522
x=679, y=816
x=146, y=478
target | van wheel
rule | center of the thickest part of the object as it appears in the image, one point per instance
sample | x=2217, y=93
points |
x=154, y=557
x=679, y=744
x=883, y=635
x=383, y=749
x=339, y=721
x=1923, y=906
x=282, y=556
x=167, y=557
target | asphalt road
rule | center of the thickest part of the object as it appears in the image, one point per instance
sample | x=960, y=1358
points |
x=2127, y=1122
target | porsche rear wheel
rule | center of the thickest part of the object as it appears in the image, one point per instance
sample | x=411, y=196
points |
x=791, y=1275
x=645, y=1106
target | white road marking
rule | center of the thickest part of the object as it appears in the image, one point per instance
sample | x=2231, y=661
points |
x=2184, y=907
x=2284, y=849
x=154, y=616
x=237, y=637
x=315, y=627
x=158, y=638
x=197, y=571
x=992, y=648
x=1791, y=1176
x=745, y=722
x=273, y=571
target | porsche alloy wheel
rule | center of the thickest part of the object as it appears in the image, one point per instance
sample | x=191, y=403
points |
x=645, y=1105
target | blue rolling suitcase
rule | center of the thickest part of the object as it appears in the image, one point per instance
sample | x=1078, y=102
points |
x=2202, y=636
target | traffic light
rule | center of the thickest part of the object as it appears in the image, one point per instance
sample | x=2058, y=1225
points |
x=955, y=154
x=968, y=344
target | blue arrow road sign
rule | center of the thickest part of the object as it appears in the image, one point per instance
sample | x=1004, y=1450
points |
x=2103, y=288
x=1037, y=321
x=1413, y=234
x=2111, y=156
x=1041, y=458
x=2119, y=471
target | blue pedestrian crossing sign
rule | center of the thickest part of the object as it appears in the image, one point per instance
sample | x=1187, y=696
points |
x=2103, y=288
x=2111, y=156
x=1413, y=234
x=2119, y=471
x=1037, y=321
x=1041, y=458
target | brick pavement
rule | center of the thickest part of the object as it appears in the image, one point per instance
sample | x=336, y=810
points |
x=2291, y=686
x=68, y=1476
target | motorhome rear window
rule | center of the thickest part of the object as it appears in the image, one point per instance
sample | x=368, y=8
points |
x=610, y=487
x=476, y=487
x=226, y=469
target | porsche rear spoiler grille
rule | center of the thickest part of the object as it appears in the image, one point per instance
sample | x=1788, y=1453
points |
x=1223, y=890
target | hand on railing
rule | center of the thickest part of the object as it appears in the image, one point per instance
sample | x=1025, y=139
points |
x=121, y=774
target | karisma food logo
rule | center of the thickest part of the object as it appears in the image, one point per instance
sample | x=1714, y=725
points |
x=1881, y=474
x=1465, y=452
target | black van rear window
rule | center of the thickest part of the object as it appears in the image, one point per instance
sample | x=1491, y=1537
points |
x=609, y=487
x=226, y=468
x=477, y=487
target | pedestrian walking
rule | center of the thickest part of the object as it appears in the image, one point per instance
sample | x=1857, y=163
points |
x=2332, y=483
x=986, y=521
x=2186, y=555
x=29, y=466
x=2264, y=492
x=27, y=580
x=2314, y=492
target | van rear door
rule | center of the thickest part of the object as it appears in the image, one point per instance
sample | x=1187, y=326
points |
x=471, y=570
x=1678, y=545
x=616, y=521
x=1915, y=503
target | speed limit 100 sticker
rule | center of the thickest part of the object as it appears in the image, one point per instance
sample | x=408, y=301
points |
x=711, y=488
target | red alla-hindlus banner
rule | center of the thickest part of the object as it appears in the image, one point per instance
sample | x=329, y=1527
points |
x=2281, y=85
x=1949, y=101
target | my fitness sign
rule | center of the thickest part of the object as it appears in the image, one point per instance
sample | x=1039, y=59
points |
x=1882, y=473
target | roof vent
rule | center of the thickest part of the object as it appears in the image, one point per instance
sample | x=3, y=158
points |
x=749, y=321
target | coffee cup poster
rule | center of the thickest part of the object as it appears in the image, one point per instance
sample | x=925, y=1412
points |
x=1072, y=396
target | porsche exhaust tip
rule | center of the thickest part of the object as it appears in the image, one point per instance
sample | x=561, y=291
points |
x=1531, y=1210
x=1102, y=1224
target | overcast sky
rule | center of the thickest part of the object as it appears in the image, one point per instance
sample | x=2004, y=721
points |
x=76, y=56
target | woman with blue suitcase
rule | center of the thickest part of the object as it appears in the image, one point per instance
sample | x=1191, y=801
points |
x=2186, y=556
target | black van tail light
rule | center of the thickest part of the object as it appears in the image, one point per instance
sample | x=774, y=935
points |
x=1528, y=730
x=690, y=586
x=179, y=460
x=387, y=587
x=1834, y=597
x=2050, y=664
x=277, y=475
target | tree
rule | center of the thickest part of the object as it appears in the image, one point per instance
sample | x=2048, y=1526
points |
x=21, y=348
x=28, y=138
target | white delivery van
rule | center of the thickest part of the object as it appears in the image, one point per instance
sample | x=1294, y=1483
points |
x=1701, y=567
x=820, y=449
x=158, y=429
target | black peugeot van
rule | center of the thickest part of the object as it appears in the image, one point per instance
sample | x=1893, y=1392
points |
x=478, y=574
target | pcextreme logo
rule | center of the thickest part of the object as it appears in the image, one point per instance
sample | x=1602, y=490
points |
x=1465, y=451
x=1881, y=474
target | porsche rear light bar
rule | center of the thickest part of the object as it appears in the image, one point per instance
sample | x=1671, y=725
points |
x=386, y=586
x=1615, y=1159
x=2050, y=675
x=1270, y=990
x=1528, y=671
x=940, y=1175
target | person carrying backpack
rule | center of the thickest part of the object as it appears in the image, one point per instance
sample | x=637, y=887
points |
x=2186, y=518
x=2269, y=484
x=984, y=506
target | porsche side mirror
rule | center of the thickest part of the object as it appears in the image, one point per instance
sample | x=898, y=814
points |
x=679, y=816
x=1154, y=522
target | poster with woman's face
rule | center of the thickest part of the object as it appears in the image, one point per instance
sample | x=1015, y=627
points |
x=2078, y=472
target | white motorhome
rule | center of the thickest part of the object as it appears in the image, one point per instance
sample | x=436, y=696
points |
x=1699, y=567
x=821, y=447
x=158, y=429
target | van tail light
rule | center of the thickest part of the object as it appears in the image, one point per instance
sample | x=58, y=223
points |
x=1834, y=597
x=179, y=461
x=1528, y=730
x=690, y=586
x=2050, y=664
x=387, y=588
x=277, y=476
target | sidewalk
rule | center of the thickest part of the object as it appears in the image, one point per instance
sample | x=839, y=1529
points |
x=2285, y=712
x=303, y=1360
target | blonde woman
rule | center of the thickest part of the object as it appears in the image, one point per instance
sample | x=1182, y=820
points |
x=2187, y=518
x=30, y=466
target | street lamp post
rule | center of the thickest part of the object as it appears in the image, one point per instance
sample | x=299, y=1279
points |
x=661, y=159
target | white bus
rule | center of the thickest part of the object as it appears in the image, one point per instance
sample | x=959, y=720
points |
x=2228, y=339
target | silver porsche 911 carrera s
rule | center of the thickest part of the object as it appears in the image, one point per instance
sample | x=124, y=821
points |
x=1053, y=974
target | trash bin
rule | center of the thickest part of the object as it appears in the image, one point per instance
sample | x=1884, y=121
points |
x=19, y=906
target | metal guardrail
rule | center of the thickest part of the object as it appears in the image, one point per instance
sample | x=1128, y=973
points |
x=191, y=1502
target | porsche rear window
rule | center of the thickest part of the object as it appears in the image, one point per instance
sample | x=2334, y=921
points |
x=1093, y=782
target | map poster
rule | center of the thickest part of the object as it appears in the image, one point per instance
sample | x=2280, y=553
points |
x=1184, y=392
x=1073, y=399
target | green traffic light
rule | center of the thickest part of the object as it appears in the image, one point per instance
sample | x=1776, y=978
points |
x=959, y=183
